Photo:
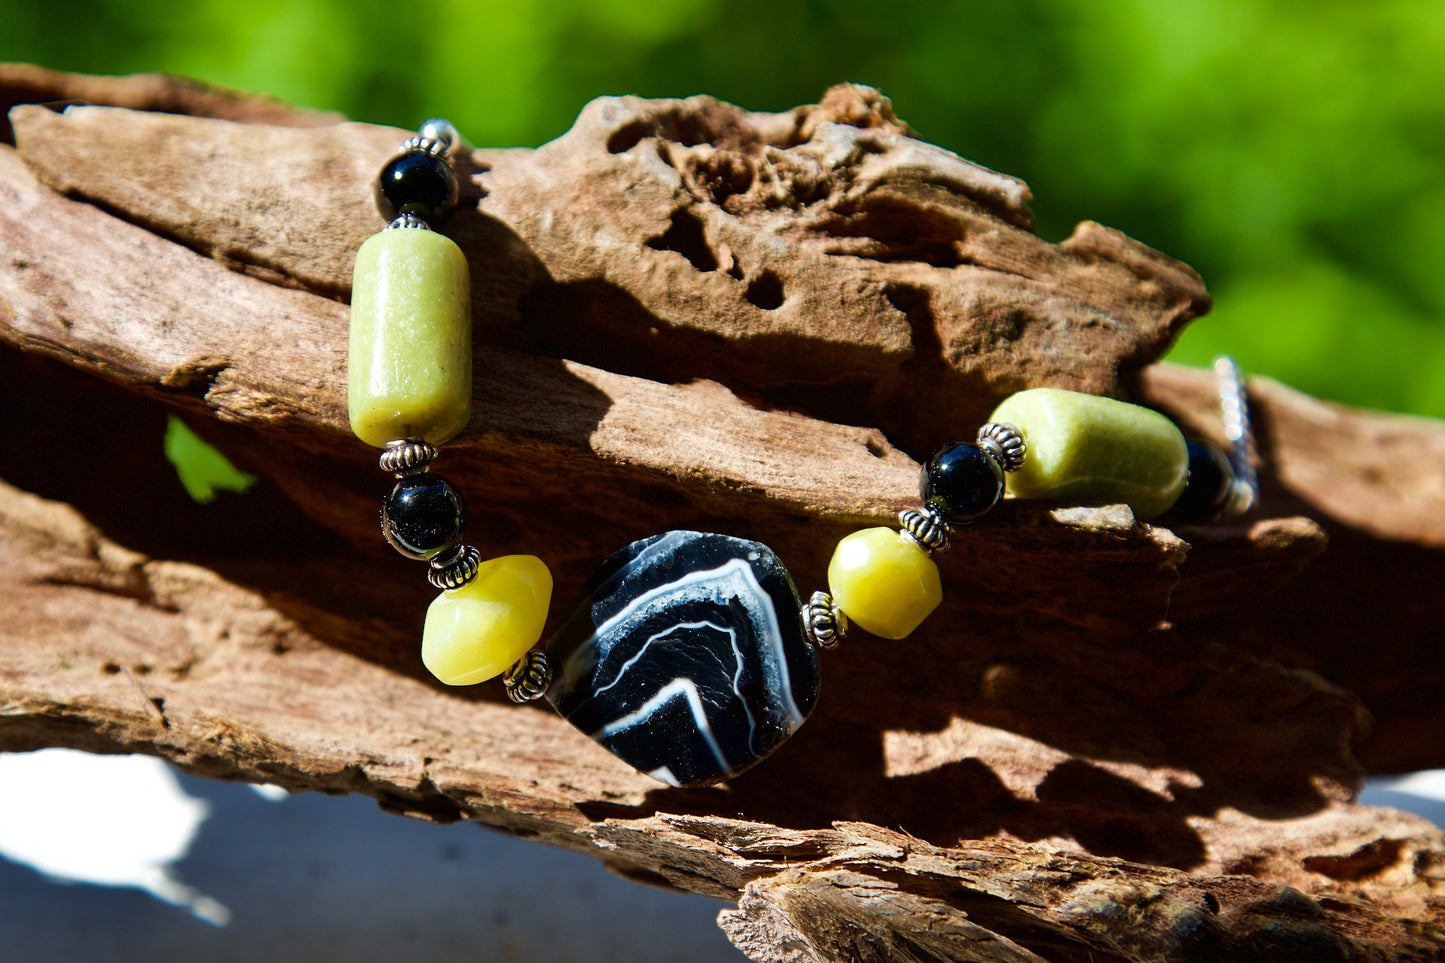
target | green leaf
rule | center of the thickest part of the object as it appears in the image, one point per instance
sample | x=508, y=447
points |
x=202, y=469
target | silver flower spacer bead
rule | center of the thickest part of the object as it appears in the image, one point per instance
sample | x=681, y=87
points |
x=528, y=677
x=824, y=623
x=927, y=527
x=408, y=221
x=454, y=568
x=407, y=456
x=1005, y=444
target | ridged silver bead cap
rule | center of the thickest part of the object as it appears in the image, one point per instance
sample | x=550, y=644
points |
x=1005, y=444
x=528, y=677
x=824, y=622
x=420, y=144
x=407, y=457
x=455, y=568
x=408, y=222
x=927, y=527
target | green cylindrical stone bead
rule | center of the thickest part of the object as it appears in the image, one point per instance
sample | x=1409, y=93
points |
x=1095, y=451
x=410, y=363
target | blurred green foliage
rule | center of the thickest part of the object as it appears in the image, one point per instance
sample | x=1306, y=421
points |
x=1293, y=152
x=202, y=469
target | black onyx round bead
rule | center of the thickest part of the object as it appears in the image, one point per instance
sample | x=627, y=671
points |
x=423, y=516
x=961, y=482
x=416, y=183
x=1210, y=480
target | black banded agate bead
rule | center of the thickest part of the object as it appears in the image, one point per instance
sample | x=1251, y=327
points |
x=685, y=656
x=416, y=183
x=961, y=482
x=423, y=516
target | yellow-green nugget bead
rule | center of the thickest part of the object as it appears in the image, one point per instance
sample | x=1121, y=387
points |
x=884, y=581
x=477, y=631
x=1095, y=451
x=410, y=364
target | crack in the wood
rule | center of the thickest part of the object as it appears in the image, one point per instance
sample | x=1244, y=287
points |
x=155, y=707
x=916, y=306
x=137, y=587
x=891, y=229
x=1371, y=859
x=424, y=800
x=237, y=261
x=195, y=376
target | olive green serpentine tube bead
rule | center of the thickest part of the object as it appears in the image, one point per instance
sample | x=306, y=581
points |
x=1088, y=450
x=410, y=362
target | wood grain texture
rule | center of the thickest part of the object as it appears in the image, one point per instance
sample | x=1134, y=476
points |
x=1113, y=741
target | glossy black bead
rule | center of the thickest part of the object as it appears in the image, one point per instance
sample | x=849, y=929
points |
x=423, y=516
x=1207, y=490
x=961, y=482
x=416, y=183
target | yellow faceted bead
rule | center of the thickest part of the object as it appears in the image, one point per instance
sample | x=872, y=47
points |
x=477, y=631
x=409, y=368
x=884, y=581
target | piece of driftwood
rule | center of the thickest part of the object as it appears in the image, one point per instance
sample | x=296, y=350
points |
x=1112, y=742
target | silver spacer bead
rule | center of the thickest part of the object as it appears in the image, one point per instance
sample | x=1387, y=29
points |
x=528, y=677
x=454, y=568
x=824, y=623
x=441, y=130
x=1243, y=454
x=418, y=144
x=407, y=456
x=409, y=221
x=926, y=527
x=1005, y=444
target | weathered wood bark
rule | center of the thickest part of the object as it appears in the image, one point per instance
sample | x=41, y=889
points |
x=1112, y=742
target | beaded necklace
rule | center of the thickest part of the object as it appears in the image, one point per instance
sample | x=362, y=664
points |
x=689, y=655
